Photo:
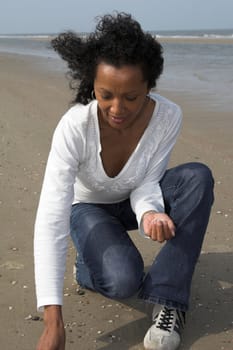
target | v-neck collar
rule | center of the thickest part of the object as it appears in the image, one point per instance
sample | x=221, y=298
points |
x=139, y=144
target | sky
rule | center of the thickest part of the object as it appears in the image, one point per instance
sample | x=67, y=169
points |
x=53, y=16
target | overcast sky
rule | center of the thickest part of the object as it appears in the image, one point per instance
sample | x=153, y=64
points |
x=52, y=16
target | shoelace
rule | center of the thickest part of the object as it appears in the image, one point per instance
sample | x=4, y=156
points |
x=165, y=319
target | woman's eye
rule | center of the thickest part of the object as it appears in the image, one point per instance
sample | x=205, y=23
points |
x=109, y=97
x=105, y=97
x=131, y=98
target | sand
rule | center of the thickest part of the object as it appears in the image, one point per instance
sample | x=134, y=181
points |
x=197, y=40
x=32, y=100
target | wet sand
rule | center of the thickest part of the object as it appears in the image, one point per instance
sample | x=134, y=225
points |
x=196, y=40
x=32, y=100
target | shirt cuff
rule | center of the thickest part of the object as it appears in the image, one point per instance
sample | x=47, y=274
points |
x=42, y=302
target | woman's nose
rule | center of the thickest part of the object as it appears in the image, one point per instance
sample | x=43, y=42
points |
x=117, y=106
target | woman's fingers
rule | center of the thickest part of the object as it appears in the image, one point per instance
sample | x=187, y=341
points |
x=161, y=230
x=158, y=226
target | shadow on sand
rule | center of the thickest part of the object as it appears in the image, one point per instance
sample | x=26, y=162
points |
x=210, y=312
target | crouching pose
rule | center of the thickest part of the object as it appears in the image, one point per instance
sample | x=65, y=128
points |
x=107, y=174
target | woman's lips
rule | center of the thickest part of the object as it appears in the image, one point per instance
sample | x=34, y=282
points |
x=118, y=120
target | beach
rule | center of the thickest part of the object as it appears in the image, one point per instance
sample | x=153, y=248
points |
x=33, y=97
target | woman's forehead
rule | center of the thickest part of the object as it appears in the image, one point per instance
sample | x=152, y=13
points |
x=123, y=73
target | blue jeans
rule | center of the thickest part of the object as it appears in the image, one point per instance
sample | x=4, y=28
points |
x=109, y=262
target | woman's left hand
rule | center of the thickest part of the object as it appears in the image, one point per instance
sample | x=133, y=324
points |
x=158, y=226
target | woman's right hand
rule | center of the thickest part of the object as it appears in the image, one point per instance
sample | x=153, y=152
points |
x=53, y=336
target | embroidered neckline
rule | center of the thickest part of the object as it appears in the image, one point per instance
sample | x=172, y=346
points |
x=144, y=136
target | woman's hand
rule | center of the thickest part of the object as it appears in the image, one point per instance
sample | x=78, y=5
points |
x=53, y=336
x=158, y=226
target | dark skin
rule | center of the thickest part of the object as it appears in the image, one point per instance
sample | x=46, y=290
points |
x=53, y=336
x=124, y=112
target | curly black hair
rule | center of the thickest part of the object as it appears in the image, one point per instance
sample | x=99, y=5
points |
x=117, y=40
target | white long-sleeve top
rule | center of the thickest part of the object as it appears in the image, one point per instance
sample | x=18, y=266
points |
x=75, y=173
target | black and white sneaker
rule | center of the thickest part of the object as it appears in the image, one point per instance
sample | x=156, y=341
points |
x=164, y=334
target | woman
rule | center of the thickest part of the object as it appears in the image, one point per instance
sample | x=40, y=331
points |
x=107, y=174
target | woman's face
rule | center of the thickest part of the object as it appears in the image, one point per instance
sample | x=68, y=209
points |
x=121, y=94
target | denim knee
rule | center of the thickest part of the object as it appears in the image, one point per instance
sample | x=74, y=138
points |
x=120, y=284
x=121, y=275
x=200, y=176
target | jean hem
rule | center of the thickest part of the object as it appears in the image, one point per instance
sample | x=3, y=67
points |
x=163, y=301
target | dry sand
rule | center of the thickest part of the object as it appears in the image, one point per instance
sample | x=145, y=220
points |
x=32, y=100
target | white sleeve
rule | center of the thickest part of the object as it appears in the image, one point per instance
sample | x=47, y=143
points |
x=148, y=195
x=53, y=214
